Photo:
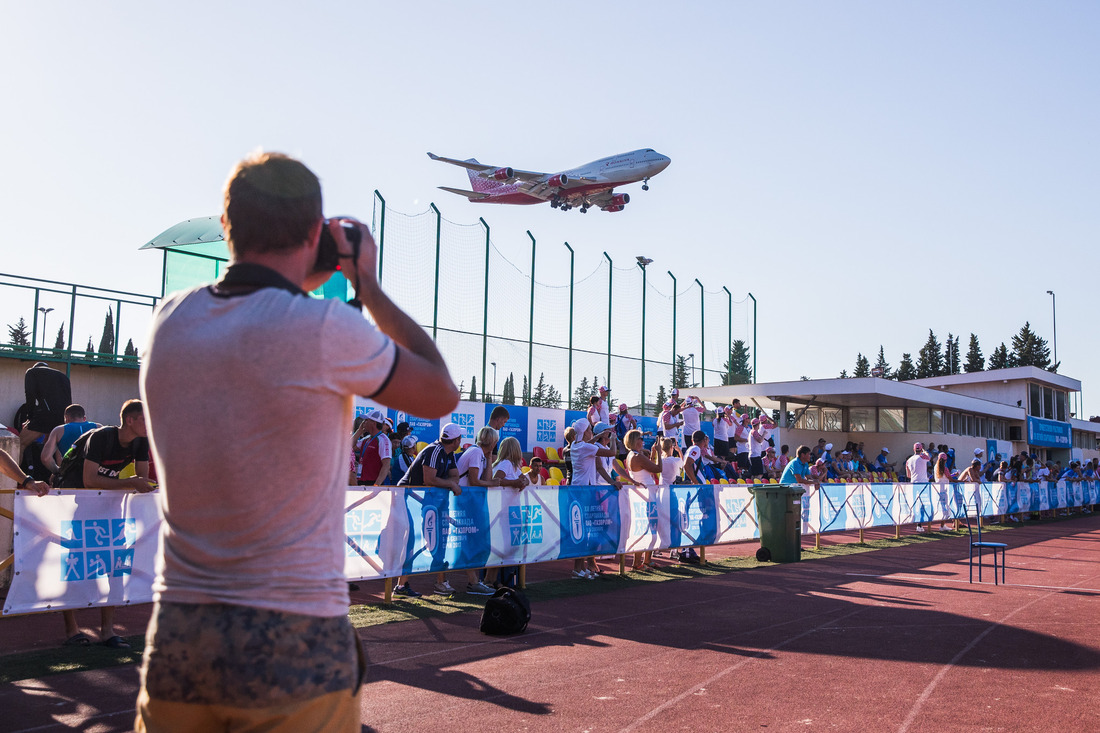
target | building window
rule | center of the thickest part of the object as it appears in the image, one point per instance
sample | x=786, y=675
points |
x=1035, y=400
x=982, y=427
x=918, y=419
x=1048, y=403
x=810, y=419
x=936, y=423
x=1060, y=399
x=891, y=420
x=832, y=419
x=861, y=419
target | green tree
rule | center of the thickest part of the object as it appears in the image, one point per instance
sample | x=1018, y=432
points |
x=473, y=389
x=951, y=355
x=545, y=395
x=18, y=335
x=930, y=358
x=881, y=363
x=131, y=350
x=863, y=367
x=60, y=342
x=975, y=362
x=736, y=368
x=508, y=397
x=581, y=395
x=905, y=371
x=89, y=353
x=1000, y=358
x=526, y=391
x=107, y=340
x=680, y=373
x=1028, y=349
x=844, y=374
x=662, y=396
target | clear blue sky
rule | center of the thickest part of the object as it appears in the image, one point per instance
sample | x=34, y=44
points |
x=869, y=170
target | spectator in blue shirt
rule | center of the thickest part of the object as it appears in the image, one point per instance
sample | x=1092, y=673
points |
x=798, y=470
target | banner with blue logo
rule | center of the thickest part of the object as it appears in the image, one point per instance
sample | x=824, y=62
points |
x=693, y=516
x=589, y=518
x=736, y=513
x=425, y=430
x=1049, y=433
x=834, y=508
x=545, y=427
x=77, y=549
x=376, y=530
x=644, y=512
x=471, y=417
x=524, y=527
x=882, y=499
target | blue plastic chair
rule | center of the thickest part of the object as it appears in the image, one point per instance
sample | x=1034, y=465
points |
x=981, y=545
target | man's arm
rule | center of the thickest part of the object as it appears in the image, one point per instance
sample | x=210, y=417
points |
x=421, y=385
x=689, y=471
x=431, y=478
x=10, y=468
x=51, y=457
x=606, y=476
x=92, y=479
x=383, y=472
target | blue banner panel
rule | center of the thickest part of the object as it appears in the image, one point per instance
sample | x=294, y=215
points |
x=516, y=427
x=590, y=522
x=883, y=508
x=693, y=515
x=1049, y=433
x=834, y=511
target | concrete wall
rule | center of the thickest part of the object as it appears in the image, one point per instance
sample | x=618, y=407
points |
x=9, y=443
x=1005, y=394
x=101, y=390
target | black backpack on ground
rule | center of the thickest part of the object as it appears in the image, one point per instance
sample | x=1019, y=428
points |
x=506, y=612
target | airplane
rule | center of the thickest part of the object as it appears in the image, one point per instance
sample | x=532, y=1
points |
x=588, y=185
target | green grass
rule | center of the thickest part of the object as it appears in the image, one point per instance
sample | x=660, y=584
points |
x=46, y=662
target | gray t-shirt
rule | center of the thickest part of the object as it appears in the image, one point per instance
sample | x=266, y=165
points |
x=250, y=402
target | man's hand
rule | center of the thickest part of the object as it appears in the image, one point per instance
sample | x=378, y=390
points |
x=139, y=484
x=40, y=488
x=366, y=267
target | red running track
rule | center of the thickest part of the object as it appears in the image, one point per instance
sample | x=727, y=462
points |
x=893, y=640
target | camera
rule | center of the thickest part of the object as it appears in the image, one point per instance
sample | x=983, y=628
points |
x=328, y=258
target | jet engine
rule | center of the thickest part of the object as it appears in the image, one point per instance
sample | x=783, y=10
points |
x=558, y=181
x=613, y=208
x=502, y=174
x=620, y=200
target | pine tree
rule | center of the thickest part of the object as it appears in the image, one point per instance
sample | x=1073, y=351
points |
x=580, y=396
x=1000, y=358
x=680, y=373
x=107, y=340
x=545, y=395
x=1028, y=349
x=930, y=358
x=975, y=362
x=887, y=372
x=662, y=396
x=863, y=367
x=844, y=374
x=905, y=370
x=473, y=389
x=60, y=342
x=18, y=335
x=737, y=369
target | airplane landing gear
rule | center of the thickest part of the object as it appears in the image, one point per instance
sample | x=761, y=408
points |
x=584, y=209
x=555, y=202
x=645, y=185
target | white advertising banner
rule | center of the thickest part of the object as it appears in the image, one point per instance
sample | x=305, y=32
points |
x=83, y=548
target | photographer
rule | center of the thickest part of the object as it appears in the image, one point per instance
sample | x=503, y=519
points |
x=252, y=573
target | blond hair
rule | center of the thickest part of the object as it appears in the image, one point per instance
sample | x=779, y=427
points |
x=509, y=450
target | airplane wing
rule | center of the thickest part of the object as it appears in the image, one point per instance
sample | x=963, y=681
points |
x=471, y=165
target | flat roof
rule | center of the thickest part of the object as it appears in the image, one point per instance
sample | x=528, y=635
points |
x=853, y=392
x=1011, y=374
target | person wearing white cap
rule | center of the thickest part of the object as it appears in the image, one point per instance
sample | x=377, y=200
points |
x=882, y=460
x=603, y=410
x=692, y=412
x=758, y=442
x=671, y=422
x=916, y=469
x=375, y=451
x=591, y=455
x=722, y=424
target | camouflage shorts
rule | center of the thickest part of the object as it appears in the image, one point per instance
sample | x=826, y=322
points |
x=217, y=654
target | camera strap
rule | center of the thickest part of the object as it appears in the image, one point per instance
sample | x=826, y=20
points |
x=245, y=278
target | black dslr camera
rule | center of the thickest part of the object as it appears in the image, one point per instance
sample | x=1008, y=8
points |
x=328, y=258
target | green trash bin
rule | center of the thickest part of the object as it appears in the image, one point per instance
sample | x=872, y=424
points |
x=779, y=514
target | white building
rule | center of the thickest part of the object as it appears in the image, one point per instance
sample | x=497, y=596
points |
x=1003, y=411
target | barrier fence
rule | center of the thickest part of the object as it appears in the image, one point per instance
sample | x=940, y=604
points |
x=76, y=549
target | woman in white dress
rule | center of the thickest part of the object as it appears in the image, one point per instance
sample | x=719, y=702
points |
x=943, y=477
x=645, y=472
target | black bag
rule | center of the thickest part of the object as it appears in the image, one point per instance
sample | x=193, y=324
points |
x=506, y=612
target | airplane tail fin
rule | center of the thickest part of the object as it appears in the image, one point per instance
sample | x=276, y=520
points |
x=479, y=184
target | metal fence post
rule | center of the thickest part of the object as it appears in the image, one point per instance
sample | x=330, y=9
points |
x=438, y=238
x=702, y=336
x=531, y=323
x=610, y=273
x=569, y=372
x=381, y=235
x=673, y=325
x=643, y=334
x=485, y=318
x=754, y=378
x=729, y=339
